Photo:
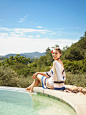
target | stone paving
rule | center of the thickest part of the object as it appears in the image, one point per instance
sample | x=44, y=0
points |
x=76, y=100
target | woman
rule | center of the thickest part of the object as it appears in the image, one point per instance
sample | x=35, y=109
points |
x=54, y=79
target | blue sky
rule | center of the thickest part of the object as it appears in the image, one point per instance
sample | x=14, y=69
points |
x=33, y=25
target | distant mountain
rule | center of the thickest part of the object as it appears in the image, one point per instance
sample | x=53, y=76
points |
x=27, y=55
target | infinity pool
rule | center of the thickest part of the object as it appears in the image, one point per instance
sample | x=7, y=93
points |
x=18, y=102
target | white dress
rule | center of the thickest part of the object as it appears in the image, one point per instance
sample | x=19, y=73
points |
x=60, y=74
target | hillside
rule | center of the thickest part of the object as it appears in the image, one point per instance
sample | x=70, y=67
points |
x=27, y=55
x=76, y=51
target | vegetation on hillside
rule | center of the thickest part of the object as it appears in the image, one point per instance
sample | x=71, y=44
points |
x=17, y=71
x=77, y=51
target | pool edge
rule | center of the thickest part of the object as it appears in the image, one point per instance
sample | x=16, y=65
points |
x=77, y=101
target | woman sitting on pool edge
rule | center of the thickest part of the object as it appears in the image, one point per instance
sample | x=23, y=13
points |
x=54, y=79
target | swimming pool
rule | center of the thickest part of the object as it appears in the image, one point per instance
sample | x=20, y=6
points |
x=16, y=101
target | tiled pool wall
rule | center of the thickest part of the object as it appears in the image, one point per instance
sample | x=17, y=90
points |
x=75, y=101
x=56, y=98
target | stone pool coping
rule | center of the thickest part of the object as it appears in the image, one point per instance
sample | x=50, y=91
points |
x=77, y=101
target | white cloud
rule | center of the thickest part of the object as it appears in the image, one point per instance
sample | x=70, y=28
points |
x=21, y=31
x=39, y=26
x=52, y=33
x=30, y=36
x=23, y=19
x=5, y=29
x=60, y=28
x=18, y=30
x=21, y=40
x=74, y=27
x=13, y=34
x=37, y=35
x=22, y=44
x=43, y=32
x=3, y=34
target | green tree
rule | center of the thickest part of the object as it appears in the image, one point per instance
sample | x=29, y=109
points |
x=55, y=46
x=65, y=48
x=74, y=54
x=42, y=61
x=49, y=57
x=48, y=50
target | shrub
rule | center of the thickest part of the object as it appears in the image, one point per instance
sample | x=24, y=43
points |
x=8, y=77
x=76, y=79
x=75, y=67
x=24, y=82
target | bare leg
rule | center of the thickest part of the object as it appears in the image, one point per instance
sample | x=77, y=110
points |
x=35, y=83
x=29, y=88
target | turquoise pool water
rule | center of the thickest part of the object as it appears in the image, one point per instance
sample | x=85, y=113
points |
x=21, y=103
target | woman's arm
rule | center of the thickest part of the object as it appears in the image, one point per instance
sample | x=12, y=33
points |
x=41, y=73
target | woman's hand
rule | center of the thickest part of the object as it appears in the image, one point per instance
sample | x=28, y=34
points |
x=34, y=75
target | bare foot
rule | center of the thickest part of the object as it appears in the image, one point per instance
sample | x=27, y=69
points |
x=28, y=88
x=67, y=91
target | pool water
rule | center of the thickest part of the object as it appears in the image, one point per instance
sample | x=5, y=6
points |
x=15, y=103
x=50, y=106
x=22, y=103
